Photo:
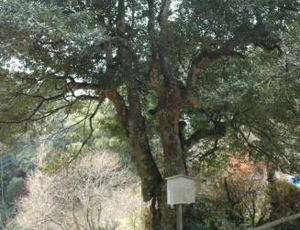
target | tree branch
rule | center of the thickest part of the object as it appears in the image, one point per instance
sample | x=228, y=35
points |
x=81, y=85
x=164, y=12
x=243, y=36
x=153, y=68
x=37, y=114
x=207, y=153
x=201, y=60
x=53, y=98
x=91, y=117
x=277, y=222
x=219, y=131
x=120, y=107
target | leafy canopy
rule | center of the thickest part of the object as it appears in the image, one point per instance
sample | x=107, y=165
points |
x=235, y=62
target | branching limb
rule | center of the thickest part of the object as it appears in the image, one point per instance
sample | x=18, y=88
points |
x=219, y=131
x=71, y=82
x=43, y=98
x=210, y=152
x=39, y=113
x=91, y=117
x=201, y=60
x=243, y=36
x=120, y=107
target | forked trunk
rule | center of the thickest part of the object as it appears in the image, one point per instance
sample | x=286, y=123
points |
x=164, y=217
x=153, y=185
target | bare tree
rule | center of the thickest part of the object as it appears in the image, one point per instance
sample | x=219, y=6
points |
x=88, y=196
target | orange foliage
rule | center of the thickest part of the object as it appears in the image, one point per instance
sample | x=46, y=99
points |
x=246, y=168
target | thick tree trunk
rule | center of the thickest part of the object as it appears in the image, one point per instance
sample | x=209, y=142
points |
x=142, y=158
x=168, y=115
x=153, y=186
x=163, y=216
x=135, y=129
x=173, y=160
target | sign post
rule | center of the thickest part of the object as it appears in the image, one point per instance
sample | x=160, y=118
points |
x=180, y=190
x=179, y=222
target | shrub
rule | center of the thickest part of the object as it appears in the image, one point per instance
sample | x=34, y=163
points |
x=231, y=200
x=15, y=188
x=285, y=201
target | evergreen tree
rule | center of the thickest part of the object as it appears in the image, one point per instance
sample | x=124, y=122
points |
x=222, y=73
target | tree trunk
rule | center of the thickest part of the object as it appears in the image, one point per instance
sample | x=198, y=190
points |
x=168, y=116
x=164, y=217
x=153, y=185
x=142, y=158
x=273, y=192
x=134, y=124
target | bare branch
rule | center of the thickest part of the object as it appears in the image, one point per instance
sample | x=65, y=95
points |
x=91, y=117
x=53, y=98
x=80, y=85
x=277, y=222
x=37, y=114
x=207, y=153
x=29, y=118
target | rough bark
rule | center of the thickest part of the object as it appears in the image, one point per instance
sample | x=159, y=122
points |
x=168, y=116
x=141, y=153
x=273, y=191
x=134, y=125
x=131, y=117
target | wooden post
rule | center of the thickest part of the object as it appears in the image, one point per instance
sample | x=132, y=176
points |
x=179, y=224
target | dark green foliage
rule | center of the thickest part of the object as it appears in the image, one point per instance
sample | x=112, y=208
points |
x=228, y=69
x=15, y=188
x=211, y=214
x=257, y=95
x=11, y=185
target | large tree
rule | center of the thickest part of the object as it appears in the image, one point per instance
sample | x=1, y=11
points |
x=222, y=73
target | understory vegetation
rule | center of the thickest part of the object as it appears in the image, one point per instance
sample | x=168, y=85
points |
x=94, y=193
x=98, y=192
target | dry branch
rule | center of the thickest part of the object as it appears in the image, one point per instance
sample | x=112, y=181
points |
x=277, y=222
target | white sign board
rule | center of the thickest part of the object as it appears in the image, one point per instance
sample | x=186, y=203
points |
x=180, y=190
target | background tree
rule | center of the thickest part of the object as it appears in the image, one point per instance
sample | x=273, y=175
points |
x=12, y=173
x=220, y=73
x=92, y=196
